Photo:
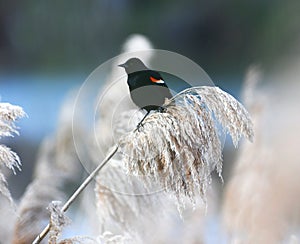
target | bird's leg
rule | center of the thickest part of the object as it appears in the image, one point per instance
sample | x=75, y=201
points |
x=140, y=123
x=161, y=109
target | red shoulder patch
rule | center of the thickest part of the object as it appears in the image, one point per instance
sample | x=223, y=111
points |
x=154, y=79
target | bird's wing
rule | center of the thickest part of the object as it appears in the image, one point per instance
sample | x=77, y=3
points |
x=175, y=83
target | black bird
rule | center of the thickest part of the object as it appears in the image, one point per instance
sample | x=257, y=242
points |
x=148, y=89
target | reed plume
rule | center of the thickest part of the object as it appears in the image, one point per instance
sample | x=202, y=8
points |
x=8, y=116
x=8, y=159
x=181, y=147
x=262, y=195
x=58, y=220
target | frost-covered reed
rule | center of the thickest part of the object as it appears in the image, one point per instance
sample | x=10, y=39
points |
x=181, y=147
x=8, y=115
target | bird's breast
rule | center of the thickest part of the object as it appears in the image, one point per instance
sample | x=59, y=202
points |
x=149, y=97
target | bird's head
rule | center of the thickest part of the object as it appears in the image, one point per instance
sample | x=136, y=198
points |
x=133, y=65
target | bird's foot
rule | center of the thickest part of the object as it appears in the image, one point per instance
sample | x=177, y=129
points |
x=162, y=109
x=140, y=125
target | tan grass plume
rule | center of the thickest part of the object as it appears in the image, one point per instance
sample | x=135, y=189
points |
x=181, y=147
x=8, y=116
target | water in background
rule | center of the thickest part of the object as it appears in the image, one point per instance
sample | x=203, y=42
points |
x=41, y=98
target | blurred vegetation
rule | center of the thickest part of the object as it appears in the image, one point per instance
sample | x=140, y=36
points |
x=221, y=36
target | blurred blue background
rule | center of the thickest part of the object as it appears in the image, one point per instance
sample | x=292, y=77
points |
x=50, y=47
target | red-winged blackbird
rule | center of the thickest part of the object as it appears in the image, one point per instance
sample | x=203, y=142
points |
x=148, y=90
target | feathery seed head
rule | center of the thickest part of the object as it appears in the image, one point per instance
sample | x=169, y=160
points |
x=181, y=147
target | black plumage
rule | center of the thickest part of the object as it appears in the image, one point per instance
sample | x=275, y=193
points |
x=148, y=89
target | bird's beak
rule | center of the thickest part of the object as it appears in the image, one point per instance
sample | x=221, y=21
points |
x=122, y=65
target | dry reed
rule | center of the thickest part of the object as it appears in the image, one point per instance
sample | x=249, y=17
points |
x=8, y=159
x=181, y=147
x=8, y=116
